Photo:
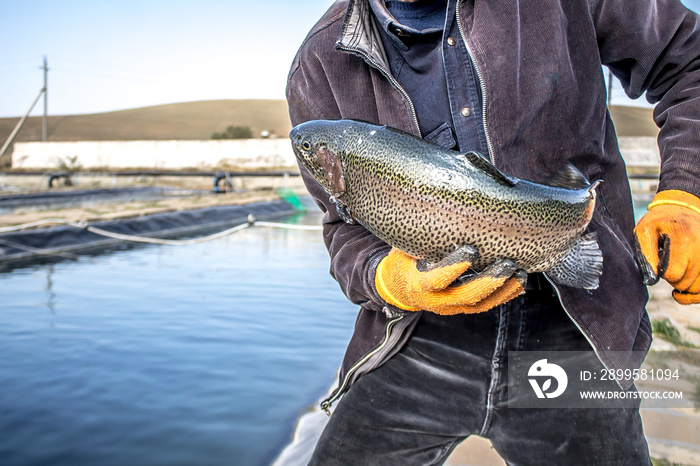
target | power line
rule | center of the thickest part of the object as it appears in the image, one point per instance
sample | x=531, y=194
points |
x=96, y=65
x=106, y=71
x=6, y=65
x=105, y=76
x=109, y=72
x=18, y=74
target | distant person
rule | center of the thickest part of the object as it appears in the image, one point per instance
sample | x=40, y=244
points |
x=520, y=82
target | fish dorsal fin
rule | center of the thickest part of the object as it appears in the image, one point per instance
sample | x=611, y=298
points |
x=568, y=176
x=487, y=167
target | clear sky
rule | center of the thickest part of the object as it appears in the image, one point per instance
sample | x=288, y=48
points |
x=114, y=54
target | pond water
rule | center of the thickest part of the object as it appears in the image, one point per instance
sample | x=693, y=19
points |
x=204, y=354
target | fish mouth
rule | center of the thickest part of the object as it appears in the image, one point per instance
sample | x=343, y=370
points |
x=296, y=138
x=294, y=134
x=296, y=151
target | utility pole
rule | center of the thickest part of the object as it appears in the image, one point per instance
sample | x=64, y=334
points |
x=610, y=83
x=19, y=125
x=9, y=140
x=45, y=133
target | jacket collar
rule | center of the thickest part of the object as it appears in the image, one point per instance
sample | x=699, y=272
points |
x=360, y=34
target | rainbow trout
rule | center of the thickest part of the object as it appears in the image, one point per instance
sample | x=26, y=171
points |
x=429, y=201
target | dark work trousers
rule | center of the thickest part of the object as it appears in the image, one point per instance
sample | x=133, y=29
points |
x=449, y=381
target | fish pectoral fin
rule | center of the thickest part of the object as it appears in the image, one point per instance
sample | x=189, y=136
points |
x=460, y=255
x=582, y=266
x=501, y=280
x=487, y=167
x=343, y=211
x=501, y=269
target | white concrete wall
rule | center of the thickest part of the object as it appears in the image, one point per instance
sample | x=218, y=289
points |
x=239, y=153
x=640, y=151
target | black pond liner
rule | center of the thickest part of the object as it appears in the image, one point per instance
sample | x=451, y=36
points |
x=49, y=245
x=86, y=197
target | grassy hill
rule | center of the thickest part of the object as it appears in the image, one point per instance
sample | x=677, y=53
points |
x=198, y=120
x=189, y=120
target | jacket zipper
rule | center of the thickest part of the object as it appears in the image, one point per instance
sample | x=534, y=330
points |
x=595, y=350
x=391, y=79
x=482, y=86
x=326, y=404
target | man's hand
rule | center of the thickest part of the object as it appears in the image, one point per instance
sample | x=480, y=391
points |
x=668, y=243
x=401, y=284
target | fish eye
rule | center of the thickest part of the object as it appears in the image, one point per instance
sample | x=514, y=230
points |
x=306, y=145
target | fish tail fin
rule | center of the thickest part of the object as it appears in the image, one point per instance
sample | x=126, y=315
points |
x=582, y=266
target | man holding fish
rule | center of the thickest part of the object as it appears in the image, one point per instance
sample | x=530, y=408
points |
x=518, y=83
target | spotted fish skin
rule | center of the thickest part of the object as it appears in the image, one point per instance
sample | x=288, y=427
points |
x=428, y=201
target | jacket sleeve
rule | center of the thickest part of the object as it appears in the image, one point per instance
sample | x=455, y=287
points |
x=653, y=46
x=354, y=251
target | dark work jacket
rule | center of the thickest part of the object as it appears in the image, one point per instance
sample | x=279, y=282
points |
x=544, y=104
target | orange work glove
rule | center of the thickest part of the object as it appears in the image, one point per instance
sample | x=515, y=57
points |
x=401, y=284
x=668, y=243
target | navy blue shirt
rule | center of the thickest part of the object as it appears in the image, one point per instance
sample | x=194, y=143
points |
x=435, y=70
